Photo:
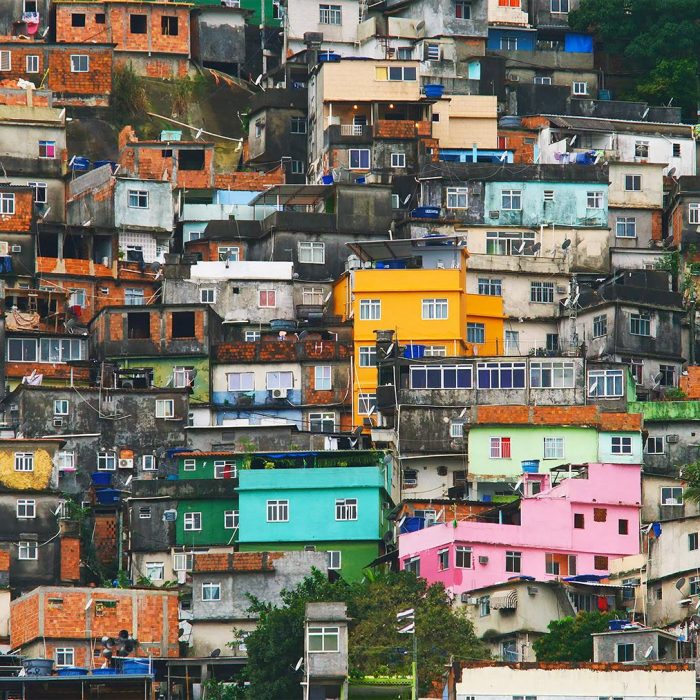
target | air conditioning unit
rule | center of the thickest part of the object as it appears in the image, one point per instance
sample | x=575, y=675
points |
x=409, y=483
x=672, y=439
x=670, y=502
x=310, y=548
x=513, y=78
x=170, y=516
x=280, y=393
x=466, y=598
x=126, y=463
x=58, y=422
x=532, y=590
x=4, y=247
x=494, y=214
x=442, y=471
x=483, y=560
x=16, y=249
x=561, y=289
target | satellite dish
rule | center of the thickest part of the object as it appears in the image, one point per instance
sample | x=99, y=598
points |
x=128, y=481
x=128, y=646
x=215, y=653
x=155, y=266
x=566, y=244
x=671, y=172
x=107, y=653
x=123, y=634
x=649, y=652
x=519, y=248
x=680, y=583
x=536, y=247
x=667, y=242
x=298, y=664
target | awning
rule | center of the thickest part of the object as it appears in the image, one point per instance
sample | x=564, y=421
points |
x=506, y=600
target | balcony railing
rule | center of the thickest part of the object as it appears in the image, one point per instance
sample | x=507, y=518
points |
x=352, y=129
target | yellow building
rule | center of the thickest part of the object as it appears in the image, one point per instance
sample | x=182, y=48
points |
x=29, y=464
x=416, y=288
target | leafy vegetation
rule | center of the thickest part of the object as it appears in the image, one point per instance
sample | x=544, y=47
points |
x=569, y=639
x=376, y=647
x=691, y=477
x=129, y=96
x=659, y=40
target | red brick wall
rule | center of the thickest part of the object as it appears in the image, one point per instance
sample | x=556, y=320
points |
x=70, y=559
x=4, y=557
x=401, y=129
x=97, y=81
x=558, y=415
x=209, y=250
x=236, y=561
x=249, y=180
x=690, y=383
x=17, y=370
x=105, y=537
x=21, y=220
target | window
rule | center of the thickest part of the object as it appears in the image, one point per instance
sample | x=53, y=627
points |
x=509, y=43
x=324, y=639
x=230, y=519
x=554, y=448
x=26, y=508
x=513, y=561
x=165, y=408
x=476, y=333
x=21, y=349
x=251, y=336
x=623, y=526
x=432, y=52
x=310, y=252
x=312, y=296
x=60, y=407
x=552, y=342
x=600, y=326
x=654, y=446
x=297, y=125
x=579, y=521
x=58, y=350
x=77, y=19
x=506, y=243
x=579, y=87
x=641, y=149
x=500, y=447
x=490, y=287
x=134, y=297
x=359, y=159
x=463, y=9
x=145, y=513
x=633, y=183
x=542, y=292
x=500, y=375
x=7, y=203
x=277, y=511
x=183, y=377
x=267, y=299
x=183, y=561
x=65, y=656
x=511, y=200
x=456, y=197
x=100, y=18
x=668, y=375
x=463, y=557
x=169, y=25
x=694, y=213
x=692, y=541
x=346, y=509
x=594, y=200
x=334, y=559
x=511, y=343
x=435, y=351
x=155, y=570
x=548, y=195
x=694, y=585
x=192, y=522
x=279, y=380
x=624, y=652
x=79, y=63
x=398, y=160
x=138, y=24
x=671, y=496
x=434, y=309
x=225, y=469
x=27, y=550
x=30, y=6
x=366, y=404
x=106, y=461
x=484, y=606
x=404, y=53
x=24, y=461
x=5, y=60
x=626, y=227
x=189, y=465
x=443, y=556
x=298, y=167
x=441, y=377
x=605, y=383
x=138, y=199
x=559, y=564
x=405, y=73
x=544, y=80
x=211, y=591
x=32, y=64
x=207, y=295
x=65, y=460
x=600, y=563
x=277, y=9
x=620, y=445
x=370, y=310
x=322, y=422
x=229, y=253
x=322, y=378
x=40, y=192
x=368, y=356
x=330, y=14
x=412, y=565
x=640, y=323
x=509, y=3
x=456, y=429
x=551, y=374
x=559, y=6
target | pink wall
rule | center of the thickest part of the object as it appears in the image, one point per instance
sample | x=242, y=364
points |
x=547, y=525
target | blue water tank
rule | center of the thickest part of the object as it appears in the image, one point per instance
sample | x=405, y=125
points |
x=425, y=212
x=530, y=466
x=414, y=352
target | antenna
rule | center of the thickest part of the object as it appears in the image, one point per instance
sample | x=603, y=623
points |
x=518, y=249
x=58, y=509
x=566, y=244
x=298, y=664
x=128, y=480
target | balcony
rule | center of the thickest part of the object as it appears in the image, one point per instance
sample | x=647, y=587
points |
x=402, y=129
x=347, y=135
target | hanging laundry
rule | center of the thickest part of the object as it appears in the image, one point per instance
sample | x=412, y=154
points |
x=602, y=604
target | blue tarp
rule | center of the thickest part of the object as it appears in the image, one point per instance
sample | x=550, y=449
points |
x=578, y=43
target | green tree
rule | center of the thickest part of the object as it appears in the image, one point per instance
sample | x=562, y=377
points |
x=375, y=646
x=569, y=639
x=691, y=477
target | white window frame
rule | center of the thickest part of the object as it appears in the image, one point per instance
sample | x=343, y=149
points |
x=579, y=88
x=64, y=657
x=41, y=191
x=651, y=446
x=25, y=508
x=183, y=377
x=330, y=14
x=694, y=213
x=207, y=295
x=183, y=561
x=277, y=510
x=346, y=509
x=311, y=252
x=240, y=381
x=511, y=200
x=496, y=445
x=462, y=551
x=189, y=465
x=61, y=407
x=230, y=519
x=65, y=460
x=279, y=380
x=543, y=80
x=312, y=296
x=435, y=309
x=211, y=591
x=398, y=160
x=192, y=521
x=323, y=377
x=5, y=61
x=49, y=147
x=28, y=550
x=322, y=418
x=148, y=463
x=594, y=200
x=541, y=292
x=631, y=182
x=24, y=461
x=370, y=309
x=165, y=408
x=358, y=155
x=367, y=356
x=335, y=559
x=79, y=63
x=326, y=638
x=457, y=197
x=227, y=252
x=270, y=295
x=552, y=374
x=106, y=461
x=553, y=448
x=456, y=429
x=155, y=570
x=31, y=63
x=607, y=391
x=7, y=203
x=251, y=336
x=366, y=403
x=221, y=466
x=138, y=199
x=621, y=445
x=673, y=495
x=642, y=321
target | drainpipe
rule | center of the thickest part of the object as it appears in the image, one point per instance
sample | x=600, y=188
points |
x=691, y=352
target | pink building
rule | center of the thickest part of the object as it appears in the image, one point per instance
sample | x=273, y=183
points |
x=572, y=528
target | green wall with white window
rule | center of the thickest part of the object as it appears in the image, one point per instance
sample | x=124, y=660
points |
x=527, y=442
x=163, y=372
x=213, y=531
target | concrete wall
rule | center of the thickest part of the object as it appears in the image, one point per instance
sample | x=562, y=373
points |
x=651, y=193
x=465, y=120
x=219, y=36
x=160, y=212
